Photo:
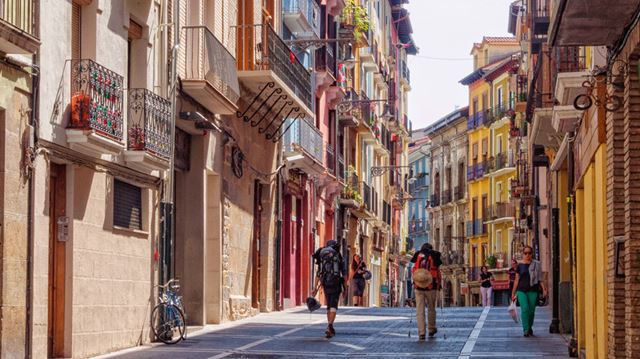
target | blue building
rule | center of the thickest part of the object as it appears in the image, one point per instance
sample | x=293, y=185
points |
x=419, y=160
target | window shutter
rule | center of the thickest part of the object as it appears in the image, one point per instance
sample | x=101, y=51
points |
x=475, y=151
x=485, y=146
x=127, y=205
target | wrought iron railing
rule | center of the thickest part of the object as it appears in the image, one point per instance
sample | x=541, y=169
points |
x=471, y=172
x=540, y=8
x=260, y=48
x=341, y=169
x=446, y=196
x=23, y=14
x=206, y=58
x=502, y=210
x=458, y=192
x=331, y=158
x=326, y=60
x=149, y=123
x=366, y=196
x=418, y=225
x=97, y=98
x=452, y=257
x=435, y=200
x=305, y=136
x=308, y=8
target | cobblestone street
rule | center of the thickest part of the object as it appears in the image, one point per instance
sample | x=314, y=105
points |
x=367, y=332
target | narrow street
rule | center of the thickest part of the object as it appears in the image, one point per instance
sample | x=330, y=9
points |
x=368, y=332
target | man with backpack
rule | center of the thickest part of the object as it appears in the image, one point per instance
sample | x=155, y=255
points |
x=427, y=280
x=330, y=275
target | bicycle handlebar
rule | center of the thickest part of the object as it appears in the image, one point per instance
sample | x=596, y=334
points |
x=164, y=286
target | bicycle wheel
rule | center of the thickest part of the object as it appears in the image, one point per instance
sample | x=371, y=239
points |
x=167, y=323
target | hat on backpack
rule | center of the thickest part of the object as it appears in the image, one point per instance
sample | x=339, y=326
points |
x=367, y=275
x=312, y=304
x=422, y=278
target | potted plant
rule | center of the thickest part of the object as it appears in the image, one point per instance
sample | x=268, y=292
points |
x=491, y=261
x=136, y=138
x=355, y=18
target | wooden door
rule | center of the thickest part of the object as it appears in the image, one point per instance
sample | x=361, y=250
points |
x=255, y=248
x=57, y=247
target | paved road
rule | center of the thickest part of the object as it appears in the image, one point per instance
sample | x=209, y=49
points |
x=370, y=333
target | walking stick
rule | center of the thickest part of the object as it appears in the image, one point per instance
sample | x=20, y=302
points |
x=410, y=321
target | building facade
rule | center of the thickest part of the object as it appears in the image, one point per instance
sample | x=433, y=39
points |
x=447, y=206
x=419, y=160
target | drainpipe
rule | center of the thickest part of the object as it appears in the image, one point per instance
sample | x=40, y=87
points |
x=35, y=80
x=554, y=327
x=571, y=212
x=278, y=244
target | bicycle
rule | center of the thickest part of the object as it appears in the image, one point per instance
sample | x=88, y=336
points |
x=167, y=318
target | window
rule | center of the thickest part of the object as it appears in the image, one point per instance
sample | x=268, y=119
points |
x=498, y=192
x=498, y=247
x=475, y=151
x=485, y=146
x=127, y=205
x=498, y=144
x=499, y=97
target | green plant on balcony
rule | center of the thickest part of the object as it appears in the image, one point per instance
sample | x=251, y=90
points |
x=492, y=261
x=356, y=16
x=350, y=193
x=522, y=97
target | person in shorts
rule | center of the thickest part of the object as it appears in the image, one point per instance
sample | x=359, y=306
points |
x=330, y=276
x=358, y=268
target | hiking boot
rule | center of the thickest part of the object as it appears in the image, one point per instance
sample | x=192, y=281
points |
x=422, y=337
x=432, y=333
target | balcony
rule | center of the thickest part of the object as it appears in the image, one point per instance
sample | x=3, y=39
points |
x=96, y=122
x=369, y=55
x=452, y=257
x=476, y=120
x=502, y=160
x=435, y=200
x=265, y=60
x=418, y=226
x=352, y=193
x=341, y=169
x=303, y=147
x=473, y=274
x=475, y=227
x=302, y=17
x=446, y=196
x=458, y=193
x=331, y=158
x=540, y=13
x=326, y=70
x=148, y=131
x=405, y=78
x=419, y=183
x=502, y=211
x=471, y=172
x=348, y=31
x=351, y=118
x=207, y=71
x=571, y=73
x=19, y=26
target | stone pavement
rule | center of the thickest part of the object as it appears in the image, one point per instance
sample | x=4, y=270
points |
x=367, y=332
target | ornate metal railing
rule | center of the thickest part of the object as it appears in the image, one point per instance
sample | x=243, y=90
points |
x=305, y=136
x=326, y=60
x=22, y=14
x=308, y=8
x=446, y=196
x=341, y=169
x=205, y=58
x=261, y=48
x=97, y=98
x=458, y=192
x=331, y=158
x=149, y=123
x=435, y=200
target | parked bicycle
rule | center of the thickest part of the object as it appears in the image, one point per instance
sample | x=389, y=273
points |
x=167, y=318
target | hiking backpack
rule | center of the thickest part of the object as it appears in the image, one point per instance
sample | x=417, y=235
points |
x=429, y=262
x=329, y=267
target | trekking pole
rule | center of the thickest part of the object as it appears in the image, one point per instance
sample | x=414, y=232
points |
x=410, y=321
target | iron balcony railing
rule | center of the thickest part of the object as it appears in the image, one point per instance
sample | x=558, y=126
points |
x=23, y=14
x=307, y=8
x=476, y=120
x=261, y=48
x=480, y=168
x=366, y=109
x=418, y=226
x=366, y=196
x=469, y=228
x=341, y=169
x=459, y=193
x=331, y=158
x=326, y=60
x=471, y=172
x=435, y=200
x=303, y=136
x=502, y=210
x=446, y=196
x=203, y=57
x=473, y=274
x=418, y=183
x=97, y=99
x=452, y=257
x=475, y=227
x=149, y=123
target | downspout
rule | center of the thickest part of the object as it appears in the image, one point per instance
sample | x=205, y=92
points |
x=571, y=212
x=278, y=243
x=35, y=80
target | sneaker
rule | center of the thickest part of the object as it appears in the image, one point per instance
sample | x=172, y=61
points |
x=432, y=333
x=422, y=337
x=333, y=331
x=330, y=332
x=526, y=334
x=530, y=332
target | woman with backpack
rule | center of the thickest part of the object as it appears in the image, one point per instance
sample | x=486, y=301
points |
x=358, y=270
x=527, y=288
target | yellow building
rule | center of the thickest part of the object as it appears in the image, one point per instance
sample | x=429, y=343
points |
x=488, y=88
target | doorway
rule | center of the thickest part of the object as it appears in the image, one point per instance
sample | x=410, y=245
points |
x=57, y=247
x=255, y=247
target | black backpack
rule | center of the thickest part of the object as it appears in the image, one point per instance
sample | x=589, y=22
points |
x=329, y=273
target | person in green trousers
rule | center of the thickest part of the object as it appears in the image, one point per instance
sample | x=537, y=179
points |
x=526, y=288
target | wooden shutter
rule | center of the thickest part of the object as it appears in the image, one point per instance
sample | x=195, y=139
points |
x=485, y=146
x=135, y=30
x=127, y=205
x=75, y=31
x=475, y=151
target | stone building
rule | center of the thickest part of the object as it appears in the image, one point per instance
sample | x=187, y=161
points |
x=19, y=43
x=447, y=205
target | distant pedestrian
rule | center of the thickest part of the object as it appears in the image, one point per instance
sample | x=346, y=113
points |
x=427, y=280
x=527, y=287
x=485, y=286
x=331, y=277
x=357, y=277
x=512, y=274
